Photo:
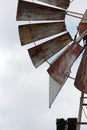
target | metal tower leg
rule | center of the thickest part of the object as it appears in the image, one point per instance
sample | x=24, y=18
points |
x=80, y=111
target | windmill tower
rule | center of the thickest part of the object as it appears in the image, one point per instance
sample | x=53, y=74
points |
x=47, y=25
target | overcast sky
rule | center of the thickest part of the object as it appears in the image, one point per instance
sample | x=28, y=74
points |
x=24, y=90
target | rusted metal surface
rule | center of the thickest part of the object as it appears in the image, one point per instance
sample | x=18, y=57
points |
x=33, y=32
x=60, y=69
x=83, y=24
x=31, y=11
x=82, y=27
x=42, y=52
x=60, y=3
x=81, y=77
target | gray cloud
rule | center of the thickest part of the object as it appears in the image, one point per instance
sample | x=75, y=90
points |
x=23, y=89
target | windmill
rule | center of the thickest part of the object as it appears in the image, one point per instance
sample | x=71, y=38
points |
x=47, y=23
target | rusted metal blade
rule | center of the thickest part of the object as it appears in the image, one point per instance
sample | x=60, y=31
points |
x=81, y=77
x=83, y=24
x=60, y=3
x=82, y=27
x=60, y=69
x=33, y=32
x=31, y=11
x=42, y=52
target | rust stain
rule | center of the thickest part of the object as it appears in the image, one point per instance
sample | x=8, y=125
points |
x=59, y=70
x=81, y=77
x=82, y=27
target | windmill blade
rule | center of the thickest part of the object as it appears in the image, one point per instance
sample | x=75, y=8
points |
x=39, y=54
x=33, y=32
x=82, y=27
x=60, y=69
x=31, y=11
x=60, y=3
x=83, y=24
x=81, y=76
x=54, y=89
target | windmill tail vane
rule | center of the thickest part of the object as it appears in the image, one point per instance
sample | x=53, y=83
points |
x=48, y=22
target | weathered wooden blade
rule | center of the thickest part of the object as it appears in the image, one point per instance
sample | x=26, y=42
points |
x=60, y=69
x=60, y=3
x=81, y=77
x=31, y=11
x=33, y=32
x=42, y=52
